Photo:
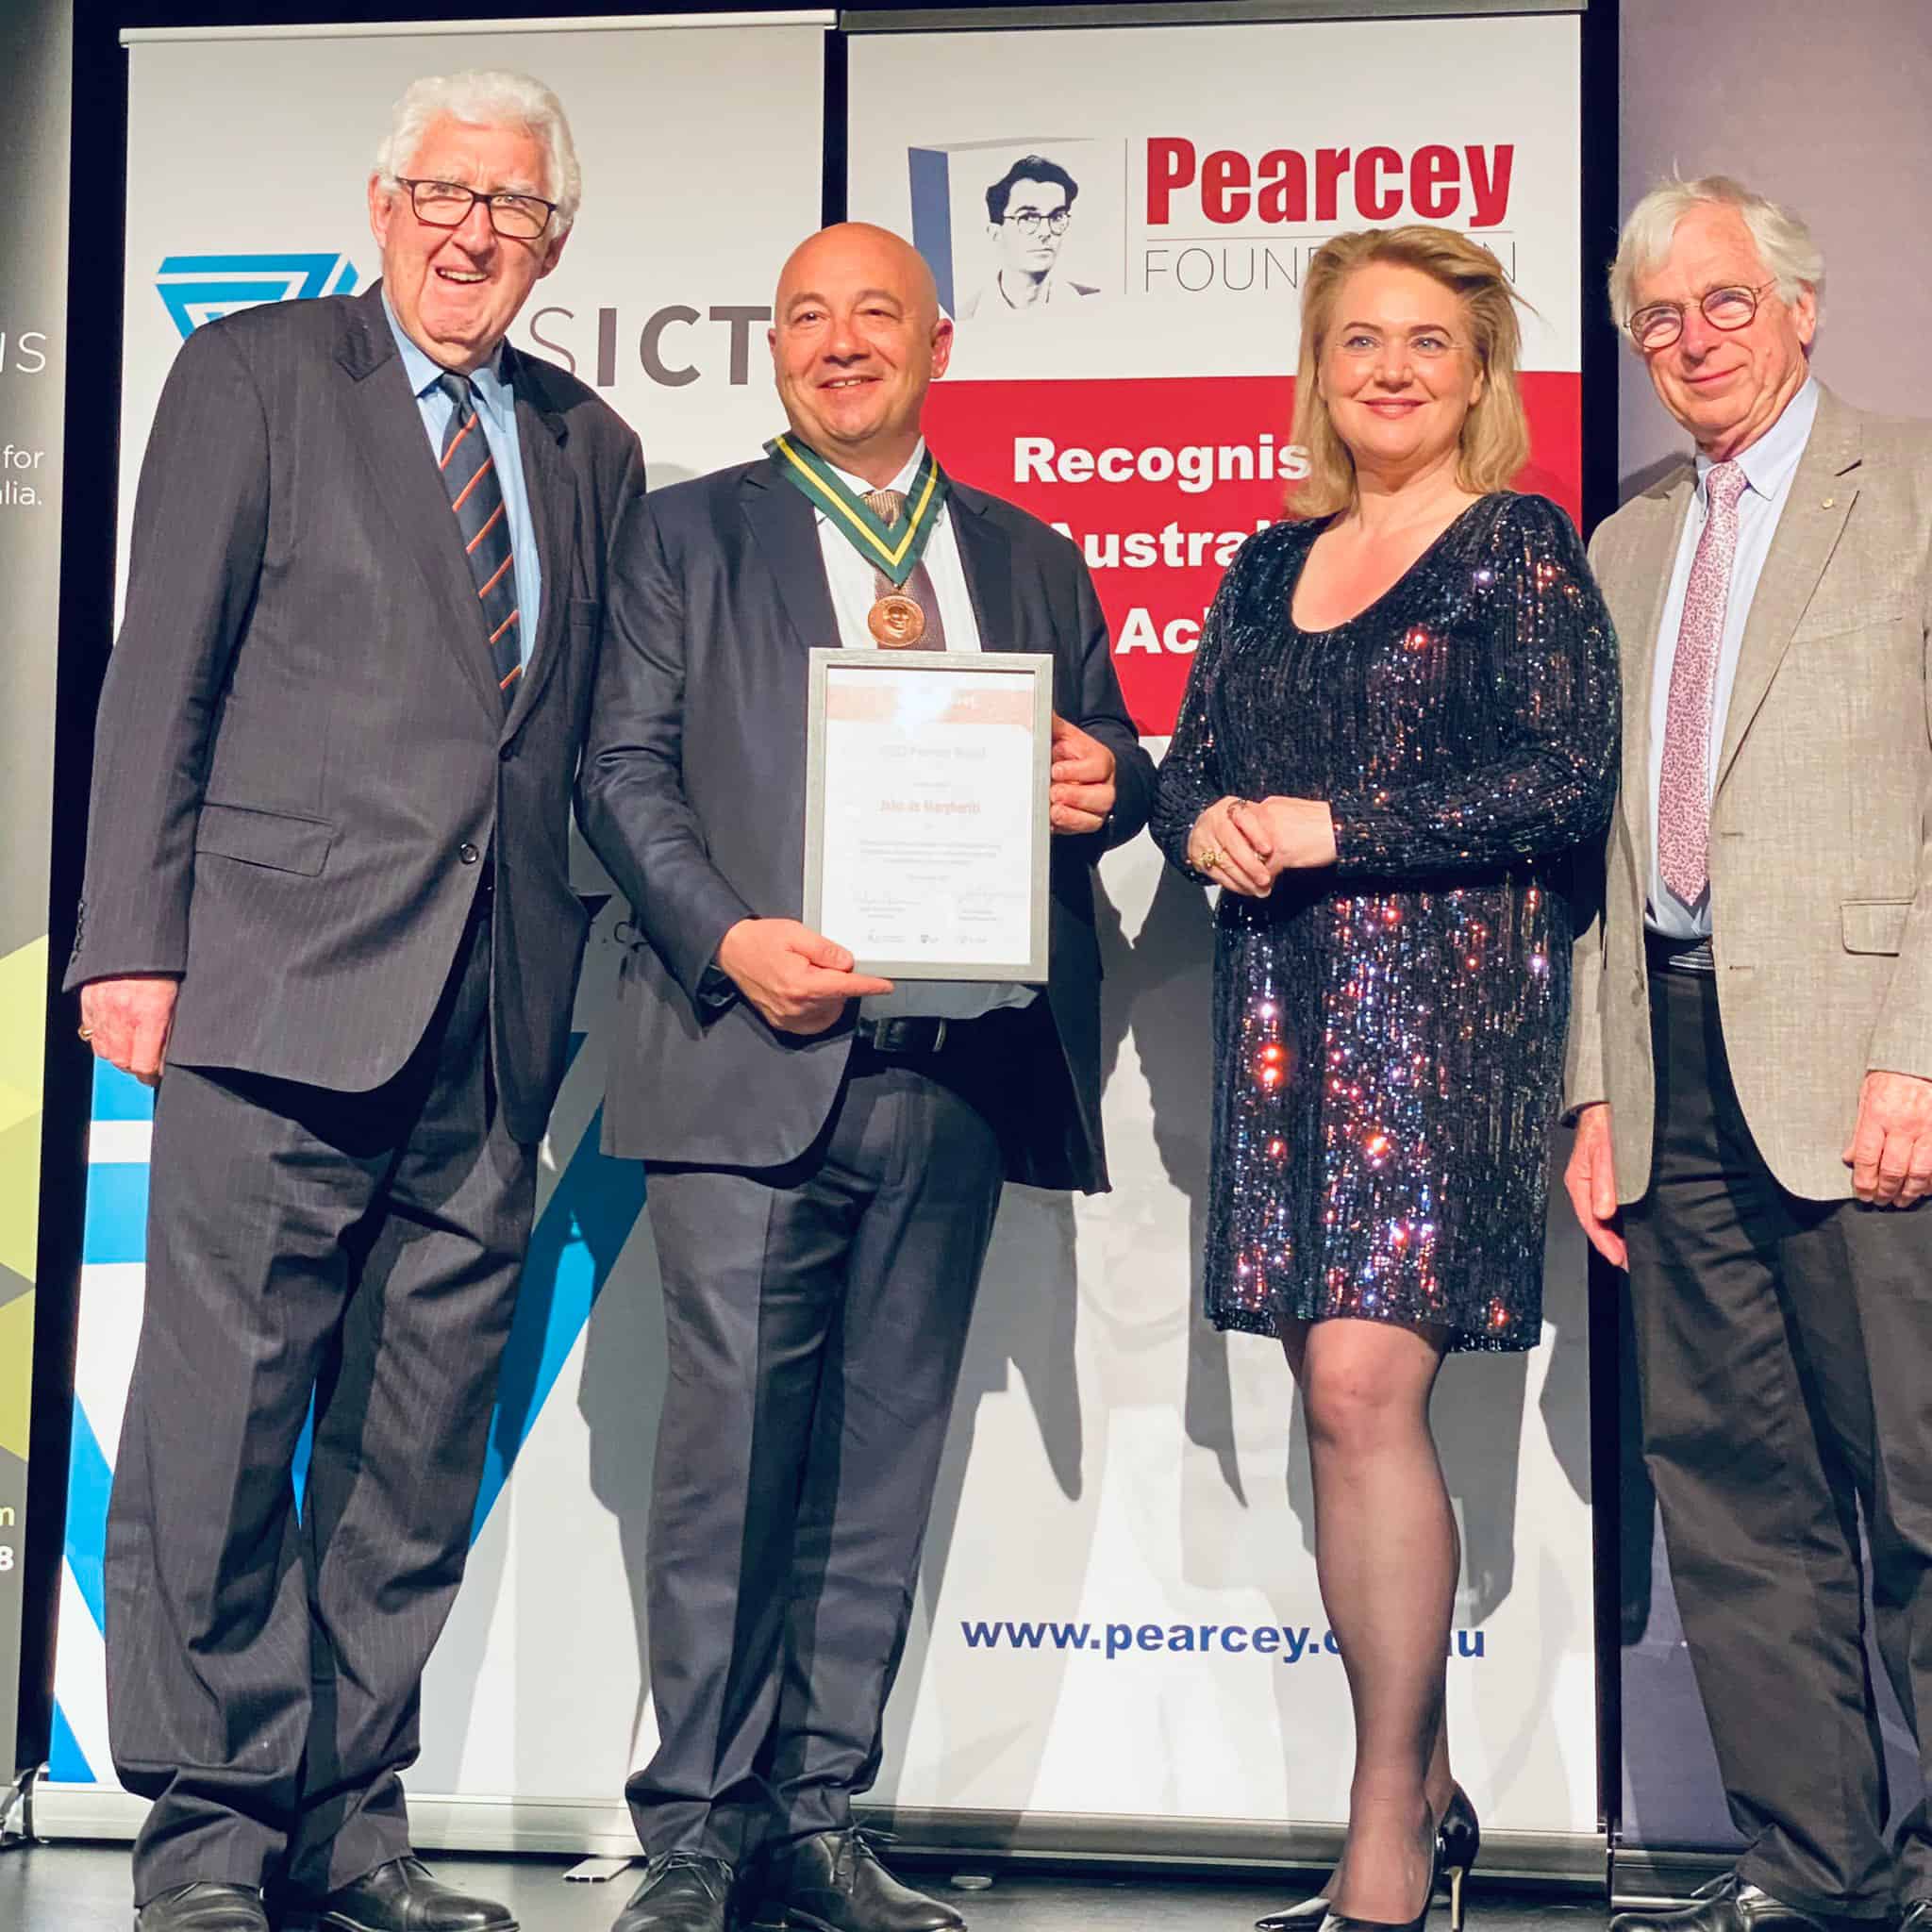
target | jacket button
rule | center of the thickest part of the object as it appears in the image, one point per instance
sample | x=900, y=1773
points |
x=508, y=752
x=468, y=853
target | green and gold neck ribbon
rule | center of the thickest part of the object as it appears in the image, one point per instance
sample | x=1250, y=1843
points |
x=892, y=549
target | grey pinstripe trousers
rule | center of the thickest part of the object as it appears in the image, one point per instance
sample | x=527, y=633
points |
x=364, y=1250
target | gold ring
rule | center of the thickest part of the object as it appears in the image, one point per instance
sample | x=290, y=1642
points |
x=87, y=1032
x=1210, y=860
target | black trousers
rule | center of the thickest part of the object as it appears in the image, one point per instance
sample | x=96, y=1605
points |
x=816, y=1320
x=1785, y=1356
x=361, y=1250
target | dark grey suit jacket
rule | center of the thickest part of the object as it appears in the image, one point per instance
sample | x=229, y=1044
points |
x=303, y=765
x=693, y=793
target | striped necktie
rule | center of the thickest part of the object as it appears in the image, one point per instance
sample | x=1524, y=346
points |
x=476, y=494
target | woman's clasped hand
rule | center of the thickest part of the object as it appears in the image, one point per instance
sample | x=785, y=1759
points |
x=1245, y=844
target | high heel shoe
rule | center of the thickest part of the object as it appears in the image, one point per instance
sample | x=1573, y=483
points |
x=1459, y=1839
x=1336, y=1922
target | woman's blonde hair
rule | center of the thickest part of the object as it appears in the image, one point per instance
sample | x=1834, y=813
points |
x=1496, y=434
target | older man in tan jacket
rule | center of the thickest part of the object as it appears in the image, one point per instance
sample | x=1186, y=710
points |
x=1751, y=1045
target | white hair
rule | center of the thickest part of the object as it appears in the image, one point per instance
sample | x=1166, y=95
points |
x=486, y=97
x=1784, y=242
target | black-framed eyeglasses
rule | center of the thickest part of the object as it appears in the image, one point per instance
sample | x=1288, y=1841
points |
x=1030, y=220
x=447, y=204
x=1657, y=324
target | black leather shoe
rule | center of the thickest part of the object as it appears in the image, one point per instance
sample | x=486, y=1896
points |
x=1725, y=1905
x=683, y=1892
x=833, y=1882
x=404, y=1896
x=204, y=1908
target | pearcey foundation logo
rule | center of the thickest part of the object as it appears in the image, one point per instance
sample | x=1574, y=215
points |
x=199, y=287
x=1014, y=227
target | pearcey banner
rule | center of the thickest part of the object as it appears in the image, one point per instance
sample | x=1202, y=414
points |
x=701, y=146
x=1122, y=1615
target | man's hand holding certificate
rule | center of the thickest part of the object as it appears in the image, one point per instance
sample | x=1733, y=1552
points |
x=798, y=979
x=1081, y=797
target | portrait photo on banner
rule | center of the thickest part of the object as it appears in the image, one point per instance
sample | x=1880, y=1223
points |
x=1014, y=227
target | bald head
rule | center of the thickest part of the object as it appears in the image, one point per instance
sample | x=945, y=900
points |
x=858, y=249
x=857, y=340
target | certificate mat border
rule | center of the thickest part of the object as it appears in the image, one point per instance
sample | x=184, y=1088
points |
x=1038, y=665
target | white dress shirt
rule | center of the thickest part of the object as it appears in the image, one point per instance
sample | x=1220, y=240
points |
x=850, y=578
x=1769, y=466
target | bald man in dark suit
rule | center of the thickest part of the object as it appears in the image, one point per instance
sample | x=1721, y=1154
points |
x=826, y=1151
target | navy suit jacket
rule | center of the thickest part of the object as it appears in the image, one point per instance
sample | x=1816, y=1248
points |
x=692, y=793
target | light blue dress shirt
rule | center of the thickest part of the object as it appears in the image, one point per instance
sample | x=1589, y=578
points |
x=496, y=405
x=1769, y=466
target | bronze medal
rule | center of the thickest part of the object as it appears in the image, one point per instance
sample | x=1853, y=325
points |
x=897, y=621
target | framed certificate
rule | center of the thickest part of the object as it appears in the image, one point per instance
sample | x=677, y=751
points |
x=926, y=818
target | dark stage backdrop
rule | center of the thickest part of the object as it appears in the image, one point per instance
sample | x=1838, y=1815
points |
x=1822, y=110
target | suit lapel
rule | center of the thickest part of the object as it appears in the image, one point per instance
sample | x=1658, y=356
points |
x=1652, y=562
x=550, y=485
x=1821, y=499
x=986, y=556
x=386, y=429
x=786, y=530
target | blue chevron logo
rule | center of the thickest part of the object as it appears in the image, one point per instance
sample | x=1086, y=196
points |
x=198, y=288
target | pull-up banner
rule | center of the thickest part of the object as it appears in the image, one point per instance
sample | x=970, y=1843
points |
x=36, y=84
x=1120, y=221
x=701, y=141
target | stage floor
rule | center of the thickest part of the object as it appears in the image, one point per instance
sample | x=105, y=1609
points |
x=70, y=1888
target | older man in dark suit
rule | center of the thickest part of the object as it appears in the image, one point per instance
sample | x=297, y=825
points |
x=826, y=1151
x=327, y=890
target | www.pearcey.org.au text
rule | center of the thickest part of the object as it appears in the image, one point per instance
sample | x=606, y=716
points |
x=1292, y=1643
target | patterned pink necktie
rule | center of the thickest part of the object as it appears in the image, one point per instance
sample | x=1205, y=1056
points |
x=1683, y=813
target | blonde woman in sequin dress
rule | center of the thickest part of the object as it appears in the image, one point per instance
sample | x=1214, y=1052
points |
x=1401, y=722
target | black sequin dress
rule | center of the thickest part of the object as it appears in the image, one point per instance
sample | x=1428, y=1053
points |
x=1388, y=1035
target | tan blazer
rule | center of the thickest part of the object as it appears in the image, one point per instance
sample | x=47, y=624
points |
x=1821, y=846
